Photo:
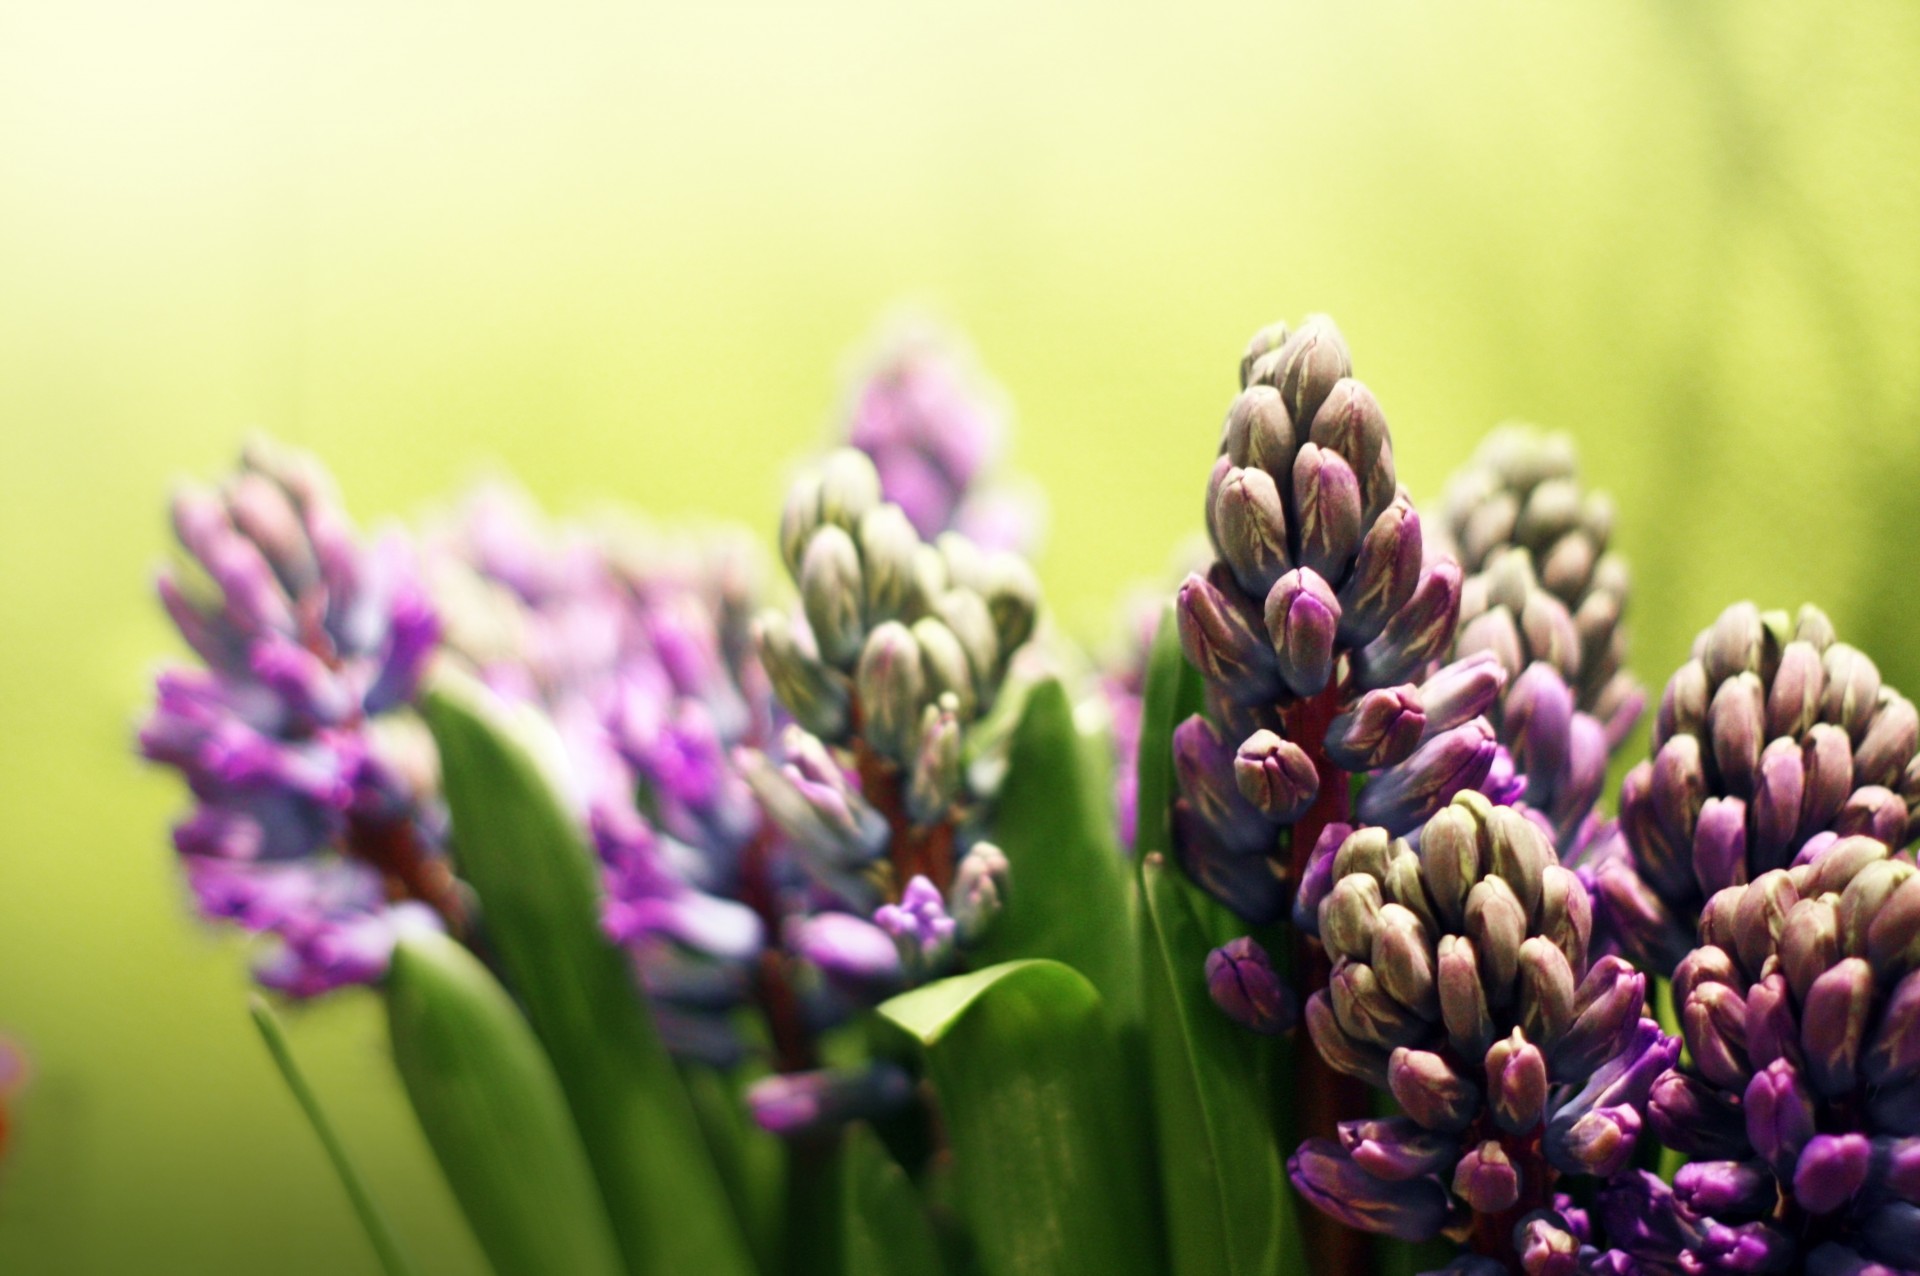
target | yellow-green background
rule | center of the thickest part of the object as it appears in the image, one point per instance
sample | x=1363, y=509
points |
x=621, y=251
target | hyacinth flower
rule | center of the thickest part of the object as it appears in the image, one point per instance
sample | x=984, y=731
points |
x=634, y=645
x=314, y=818
x=899, y=649
x=1771, y=743
x=1316, y=630
x=935, y=428
x=1461, y=985
x=1543, y=597
x=1800, y=1102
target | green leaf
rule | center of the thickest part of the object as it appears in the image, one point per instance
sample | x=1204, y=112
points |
x=1049, y=1156
x=887, y=1230
x=393, y=1259
x=526, y=857
x=493, y=1112
x=751, y=1162
x=1223, y=1175
x=1068, y=898
x=1173, y=692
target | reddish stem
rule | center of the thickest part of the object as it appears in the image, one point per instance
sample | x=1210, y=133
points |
x=393, y=847
x=1321, y=1096
x=1493, y=1233
x=772, y=980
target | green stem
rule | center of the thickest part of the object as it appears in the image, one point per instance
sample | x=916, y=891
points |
x=393, y=1260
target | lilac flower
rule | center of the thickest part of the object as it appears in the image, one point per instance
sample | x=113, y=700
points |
x=1461, y=984
x=1799, y=1012
x=314, y=817
x=934, y=428
x=1771, y=742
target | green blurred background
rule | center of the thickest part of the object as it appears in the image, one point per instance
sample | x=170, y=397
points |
x=622, y=252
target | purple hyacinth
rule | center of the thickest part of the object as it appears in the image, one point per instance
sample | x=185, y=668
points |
x=1543, y=599
x=1771, y=742
x=314, y=818
x=634, y=645
x=935, y=426
x=898, y=649
x=1317, y=629
x=1800, y=1107
x=1461, y=985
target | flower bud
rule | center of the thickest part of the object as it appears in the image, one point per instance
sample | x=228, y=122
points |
x=1350, y=916
x=1223, y=641
x=1418, y=633
x=1330, y=1180
x=1242, y=982
x=1249, y=522
x=945, y=663
x=1726, y=1187
x=965, y=613
x=1608, y=1002
x=1260, y=433
x=1891, y=738
x=1403, y=796
x=1383, y=727
x=1831, y=1171
x=1430, y=1091
x=1486, y=1179
x=1497, y=923
x=1833, y=1026
x=1516, y=1083
x=1402, y=960
x=1351, y=423
x=831, y=591
x=1396, y=1149
x=887, y=545
x=1696, y=1118
x=1518, y=852
x=1566, y=914
x=1780, y=1116
x=1714, y=1023
x=1013, y=601
x=1683, y=705
x=979, y=891
x=1275, y=775
x=1736, y=722
x=934, y=779
x=1206, y=770
x=1760, y=915
x=818, y=697
x=1303, y=617
x=1827, y=758
x=849, y=487
x=1264, y=342
x=796, y=1104
x=851, y=951
x=1733, y=645
x=1309, y=365
x=1894, y=1049
x=1366, y=1011
x=1461, y=691
x=1852, y=691
x=1546, y=991
x=1463, y=997
x=1343, y=1053
x=1327, y=505
x=1384, y=575
x=892, y=686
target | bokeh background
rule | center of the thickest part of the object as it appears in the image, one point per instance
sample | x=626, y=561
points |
x=622, y=252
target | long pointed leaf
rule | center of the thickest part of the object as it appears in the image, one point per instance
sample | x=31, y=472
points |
x=494, y=1114
x=525, y=855
x=1173, y=691
x=1069, y=880
x=373, y=1220
x=1223, y=1175
x=1048, y=1152
x=887, y=1230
